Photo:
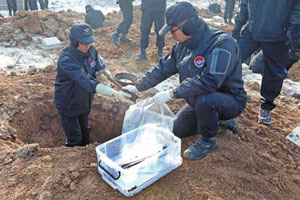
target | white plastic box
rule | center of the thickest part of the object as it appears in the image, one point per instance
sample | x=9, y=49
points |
x=136, y=159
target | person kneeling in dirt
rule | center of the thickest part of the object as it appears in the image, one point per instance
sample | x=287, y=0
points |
x=210, y=75
x=76, y=84
x=94, y=18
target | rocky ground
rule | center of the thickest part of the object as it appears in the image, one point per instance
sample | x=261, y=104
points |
x=257, y=163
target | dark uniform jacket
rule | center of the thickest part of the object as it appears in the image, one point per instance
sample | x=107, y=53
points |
x=94, y=18
x=75, y=80
x=154, y=5
x=208, y=62
x=267, y=19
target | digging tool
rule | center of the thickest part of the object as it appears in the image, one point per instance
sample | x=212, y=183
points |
x=135, y=162
x=133, y=98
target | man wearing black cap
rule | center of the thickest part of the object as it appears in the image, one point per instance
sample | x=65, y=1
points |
x=152, y=11
x=76, y=84
x=127, y=10
x=94, y=18
x=210, y=75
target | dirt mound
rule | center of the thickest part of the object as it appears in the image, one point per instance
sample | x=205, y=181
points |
x=294, y=73
x=257, y=163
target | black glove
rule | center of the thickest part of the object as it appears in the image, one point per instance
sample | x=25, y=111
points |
x=236, y=32
x=294, y=38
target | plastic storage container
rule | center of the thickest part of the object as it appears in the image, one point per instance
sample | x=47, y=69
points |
x=138, y=158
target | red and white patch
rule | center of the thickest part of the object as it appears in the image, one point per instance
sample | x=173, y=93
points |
x=92, y=63
x=199, y=61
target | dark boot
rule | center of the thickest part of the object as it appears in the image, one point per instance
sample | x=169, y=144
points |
x=123, y=38
x=142, y=56
x=160, y=53
x=86, y=137
x=229, y=124
x=229, y=21
x=9, y=13
x=200, y=148
x=115, y=38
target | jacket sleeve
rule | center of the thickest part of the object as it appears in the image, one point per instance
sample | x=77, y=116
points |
x=220, y=64
x=72, y=69
x=294, y=20
x=165, y=69
x=242, y=17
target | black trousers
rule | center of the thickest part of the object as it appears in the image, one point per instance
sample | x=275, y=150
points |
x=31, y=5
x=229, y=8
x=275, y=57
x=146, y=23
x=202, y=117
x=77, y=129
x=12, y=6
x=127, y=10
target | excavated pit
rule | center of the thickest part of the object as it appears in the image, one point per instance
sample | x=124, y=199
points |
x=39, y=123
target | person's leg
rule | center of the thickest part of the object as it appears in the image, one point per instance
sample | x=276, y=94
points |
x=42, y=4
x=127, y=10
x=26, y=4
x=85, y=129
x=293, y=58
x=46, y=4
x=230, y=10
x=146, y=24
x=159, y=21
x=209, y=110
x=247, y=45
x=14, y=6
x=186, y=122
x=8, y=2
x=226, y=11
x=72, y=130
x=275, y=57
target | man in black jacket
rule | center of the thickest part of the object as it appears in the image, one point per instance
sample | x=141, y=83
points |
x=127, y=10
x=210, y=75
x=268, y=23
x=94, y=18
x=152, y=11
x=76, y=83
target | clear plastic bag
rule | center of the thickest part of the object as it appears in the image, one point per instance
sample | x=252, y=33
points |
x=148, y=112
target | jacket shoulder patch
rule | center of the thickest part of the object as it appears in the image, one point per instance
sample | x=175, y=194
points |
x=220, y=61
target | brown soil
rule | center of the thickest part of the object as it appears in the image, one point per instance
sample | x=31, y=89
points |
x=257, y=163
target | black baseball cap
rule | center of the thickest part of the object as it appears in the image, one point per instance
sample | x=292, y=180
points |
x=178, y=13
x=83, y=33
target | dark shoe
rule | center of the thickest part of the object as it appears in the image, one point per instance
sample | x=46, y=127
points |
x=115, y=38
x=201, y=148
x=264, y=117
x=9, y=13
x=142, y=56
x=229, y=21
x=160, y=53
x=225, y=20
x=229, y=124
x=123, y=38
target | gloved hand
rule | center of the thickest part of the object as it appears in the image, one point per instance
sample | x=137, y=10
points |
x=294, y=38
x=236, y=32
x=163, y=96
x=107, y=91
x=130, y=88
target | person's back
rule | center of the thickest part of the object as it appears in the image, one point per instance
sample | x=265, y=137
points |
x=94, y=18
x=154, y=5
